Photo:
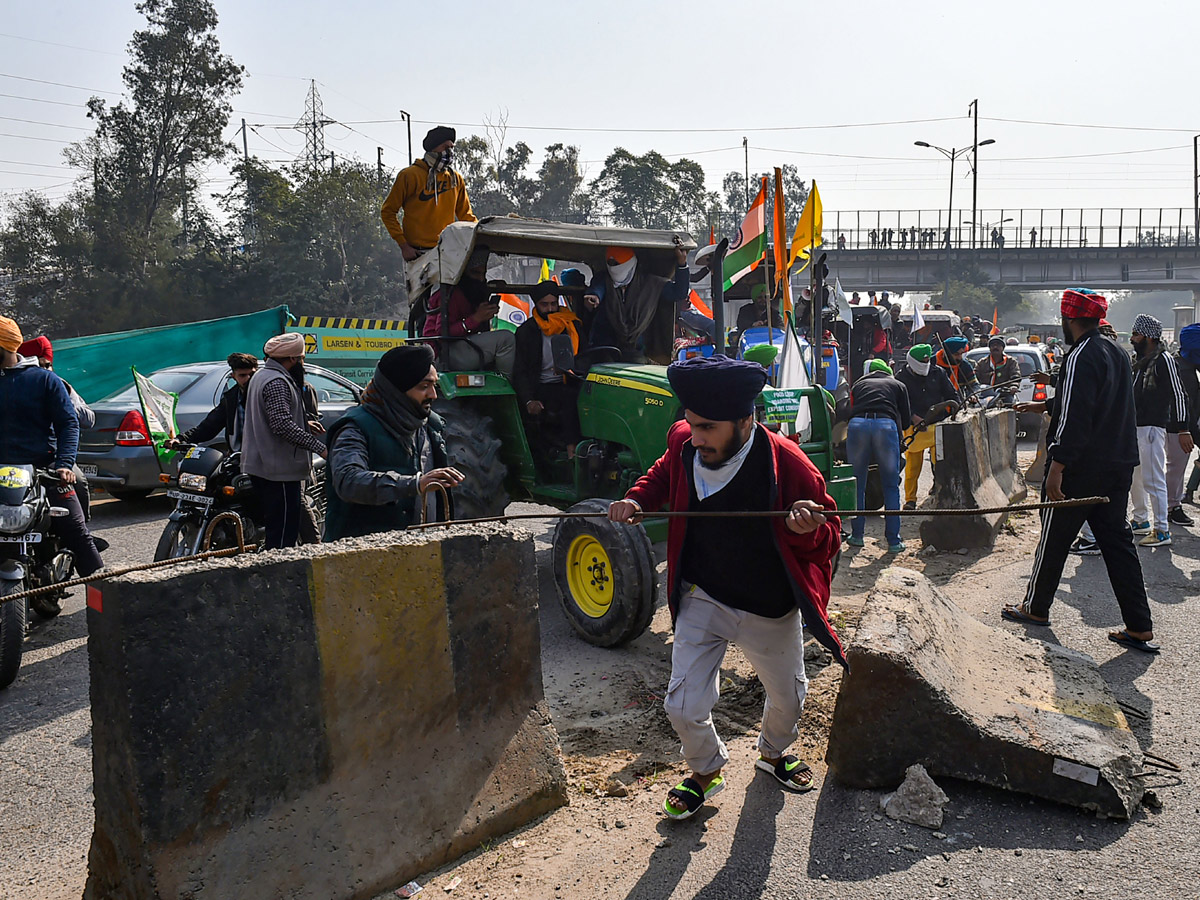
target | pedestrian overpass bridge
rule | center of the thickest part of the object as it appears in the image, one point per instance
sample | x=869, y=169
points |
x=1105, y=249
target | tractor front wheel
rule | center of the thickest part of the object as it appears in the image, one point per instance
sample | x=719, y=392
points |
x=605, y=575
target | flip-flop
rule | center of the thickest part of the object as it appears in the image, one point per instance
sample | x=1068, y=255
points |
x=1125, y=639
x=1019, y=614
x=691, y=796
x=786, y=772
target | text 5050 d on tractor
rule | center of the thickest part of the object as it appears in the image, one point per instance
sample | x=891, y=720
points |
x=604, y=573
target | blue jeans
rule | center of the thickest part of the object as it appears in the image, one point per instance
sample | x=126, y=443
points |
x=876, y=441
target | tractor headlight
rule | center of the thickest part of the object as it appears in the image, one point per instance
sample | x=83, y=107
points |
x=192, y=482
x=14, y=519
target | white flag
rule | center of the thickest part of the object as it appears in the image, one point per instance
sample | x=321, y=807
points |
x=793, y=373
x=918, y=320
x=843, y=304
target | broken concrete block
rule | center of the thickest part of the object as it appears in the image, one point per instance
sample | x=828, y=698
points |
x=929, y=684
x=918, y=800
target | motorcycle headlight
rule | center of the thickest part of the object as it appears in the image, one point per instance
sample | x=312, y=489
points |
x=14, y=519
x=193, y=482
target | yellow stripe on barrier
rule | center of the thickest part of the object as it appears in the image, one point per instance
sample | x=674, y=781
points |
x=351, y=324
x=384, y=638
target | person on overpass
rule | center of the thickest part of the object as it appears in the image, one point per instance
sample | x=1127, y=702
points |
x=998, y=368
x=718, y=459
x=952, y=360
x=471, y=309
x=1092, y=450
x=39, y=427
x=637, y=308
x=879, y=413
x=547, y=394
x=430, y=193
x=389, y=451
x=1162, y=415
x=928, y=385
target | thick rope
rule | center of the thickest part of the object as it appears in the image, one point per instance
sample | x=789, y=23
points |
x=116, y=573
x=776, y=513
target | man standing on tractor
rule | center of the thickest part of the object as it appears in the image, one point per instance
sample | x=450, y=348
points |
x=431, y=194
x=388, y=452
x=548, y=399
x=637, y=307
x=718, y=459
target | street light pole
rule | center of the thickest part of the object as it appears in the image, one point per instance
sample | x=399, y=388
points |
x=974, y=171
x=407, y=117
x=1196, y=188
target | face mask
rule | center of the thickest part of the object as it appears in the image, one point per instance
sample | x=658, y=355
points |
x=622, y=274
x=443, y=162
x=297, y=373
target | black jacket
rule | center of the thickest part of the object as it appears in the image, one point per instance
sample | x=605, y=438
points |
x=222, y=416
x=1191, y=387
x=926, y=390
x=527, y=366
x=1159, y=397
x=880, y=394
x=1093, y=424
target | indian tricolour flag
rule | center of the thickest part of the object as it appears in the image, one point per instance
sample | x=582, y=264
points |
x=749, y=247
x=513, y=312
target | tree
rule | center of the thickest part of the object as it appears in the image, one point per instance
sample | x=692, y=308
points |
x=795, y=195
x=649, y=192
x=972, y=293
x=181, y=87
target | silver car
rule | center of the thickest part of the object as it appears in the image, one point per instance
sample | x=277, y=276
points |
x=1031, y=358
x=116, y=455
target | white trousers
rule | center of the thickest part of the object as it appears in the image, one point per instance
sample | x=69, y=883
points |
x=1149, y=491
x=775, y=647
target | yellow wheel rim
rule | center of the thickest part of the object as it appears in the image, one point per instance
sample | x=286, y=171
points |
x=589, y=576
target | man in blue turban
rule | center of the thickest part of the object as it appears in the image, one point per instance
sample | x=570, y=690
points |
x=952, y=358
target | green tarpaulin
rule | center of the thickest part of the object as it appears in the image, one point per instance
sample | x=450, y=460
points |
x=98, y=365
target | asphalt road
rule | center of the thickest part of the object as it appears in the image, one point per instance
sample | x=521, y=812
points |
x=755, y=841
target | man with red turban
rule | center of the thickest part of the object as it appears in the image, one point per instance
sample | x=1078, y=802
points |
x=1092, y=448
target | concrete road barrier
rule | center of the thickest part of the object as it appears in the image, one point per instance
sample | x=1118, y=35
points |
x=316, y=724
x=929, y=684
x=976, y=469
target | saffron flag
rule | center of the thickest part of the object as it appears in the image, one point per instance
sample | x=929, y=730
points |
x=749, y=246
x=699, y=305
x=781, y=266
x=513, y=312
x=808, y=229
x=995, y=320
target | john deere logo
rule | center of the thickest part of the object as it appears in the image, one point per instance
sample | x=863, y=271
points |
x=310, y=344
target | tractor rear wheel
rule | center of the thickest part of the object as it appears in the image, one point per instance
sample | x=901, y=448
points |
x=474, y=449
x=605, y=576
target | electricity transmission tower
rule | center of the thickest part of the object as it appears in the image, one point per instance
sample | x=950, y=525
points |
x=313, y=125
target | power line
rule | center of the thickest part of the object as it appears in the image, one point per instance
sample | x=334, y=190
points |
x=74, y=87
x=47, y=124
x=18, y=162
x=662, y=130
x=30, y=174
x=30, y=137
x=21, y=37
x=1079, y=125
x=41, y=100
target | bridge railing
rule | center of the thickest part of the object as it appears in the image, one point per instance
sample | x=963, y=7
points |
x=1008, y=229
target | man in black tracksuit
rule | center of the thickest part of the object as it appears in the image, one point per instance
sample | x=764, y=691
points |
x=1092, y=451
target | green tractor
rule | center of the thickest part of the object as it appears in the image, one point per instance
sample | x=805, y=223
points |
x=604, y=573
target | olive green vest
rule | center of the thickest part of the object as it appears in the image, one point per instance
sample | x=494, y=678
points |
x=386, y=454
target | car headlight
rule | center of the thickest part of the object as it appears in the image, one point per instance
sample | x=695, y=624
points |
x=14, y=519
x=193, y=482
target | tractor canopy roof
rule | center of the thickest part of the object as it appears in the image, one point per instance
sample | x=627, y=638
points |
x=515, y=236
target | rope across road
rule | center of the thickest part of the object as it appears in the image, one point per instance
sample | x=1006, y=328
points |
x=517, y=517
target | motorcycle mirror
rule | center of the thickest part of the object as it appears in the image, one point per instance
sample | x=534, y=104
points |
x=58, y=512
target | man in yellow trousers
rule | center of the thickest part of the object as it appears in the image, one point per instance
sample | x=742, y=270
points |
x=927, y=386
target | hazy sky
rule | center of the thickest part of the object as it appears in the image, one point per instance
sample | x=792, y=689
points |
x=684, y=79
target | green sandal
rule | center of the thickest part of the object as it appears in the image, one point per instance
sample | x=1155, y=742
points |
x=689, y=795
x=791, y=772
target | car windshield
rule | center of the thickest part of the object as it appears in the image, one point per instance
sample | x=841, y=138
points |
x=1029, y=362
x=171, y=380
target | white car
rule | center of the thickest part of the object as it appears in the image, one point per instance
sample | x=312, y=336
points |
x=1031, y=358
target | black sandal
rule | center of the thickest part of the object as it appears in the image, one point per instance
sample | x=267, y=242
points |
x=690, y=796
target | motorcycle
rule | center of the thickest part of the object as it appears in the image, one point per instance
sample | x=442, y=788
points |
x=31, y=556
x=216, y=507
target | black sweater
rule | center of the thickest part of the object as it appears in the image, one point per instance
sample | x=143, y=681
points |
x=1093, y=424
x=878, y=393
x=926, y=390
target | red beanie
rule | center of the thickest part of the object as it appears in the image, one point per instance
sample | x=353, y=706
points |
x=39, y=347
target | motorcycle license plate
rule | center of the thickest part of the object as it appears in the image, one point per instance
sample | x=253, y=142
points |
x=34, y=537
x=198, y=499
x=89, y=470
